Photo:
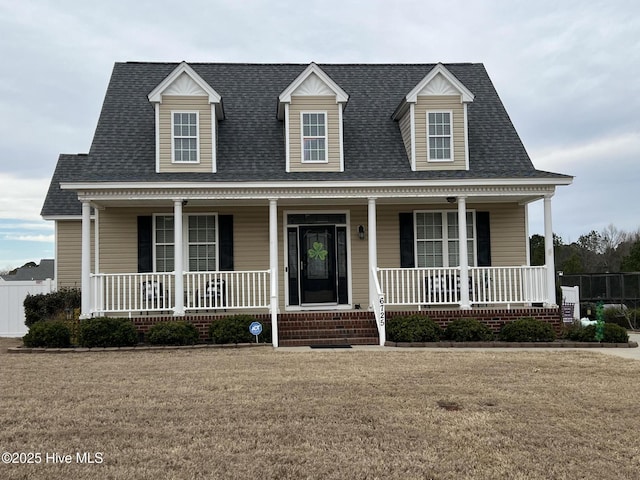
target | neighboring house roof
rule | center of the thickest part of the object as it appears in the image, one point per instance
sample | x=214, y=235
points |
x=251, y=144
x=39, y=272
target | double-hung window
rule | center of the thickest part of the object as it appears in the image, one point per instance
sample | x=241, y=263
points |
x=200, y=243
x=164, y=243
x=439, y=136
x=314, y=137
x=184, y=127
x=437, y=243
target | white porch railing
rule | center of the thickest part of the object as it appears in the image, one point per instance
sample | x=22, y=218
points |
x=420, y=286
x=377, y=302
x=155, y=292
x=441, y=286
x=131, y=292
x=507, y=285
x=226, y=290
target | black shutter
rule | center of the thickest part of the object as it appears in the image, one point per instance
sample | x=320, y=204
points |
x=225, y=237
x=407, y=257
x=145, y=244
x=483, y=229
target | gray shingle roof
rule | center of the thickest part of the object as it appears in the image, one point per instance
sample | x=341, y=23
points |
x=251, y=140
x=39, y=272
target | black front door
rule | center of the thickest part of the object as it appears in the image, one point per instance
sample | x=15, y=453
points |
x=318, y=283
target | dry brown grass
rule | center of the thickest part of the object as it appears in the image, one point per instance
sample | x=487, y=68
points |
x=331, y=415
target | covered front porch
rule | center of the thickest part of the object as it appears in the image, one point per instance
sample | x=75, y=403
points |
x=352, y=233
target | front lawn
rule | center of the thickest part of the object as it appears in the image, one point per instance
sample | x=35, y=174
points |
x=245, y=413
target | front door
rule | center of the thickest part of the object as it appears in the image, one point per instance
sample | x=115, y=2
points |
x=318, y=280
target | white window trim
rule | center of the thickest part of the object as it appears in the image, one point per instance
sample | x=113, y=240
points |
x=173, y=138
x=440, y=160
x=445, y=240
x=185, y=237
x=326, y=136
x=155, y=243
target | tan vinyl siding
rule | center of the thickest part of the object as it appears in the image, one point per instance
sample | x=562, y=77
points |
x=441, y=103
x=69, y=253
x=326, y=104
x=250, y=237
x=508, y=232
x=119, y=240
x=186, y=104
x=359, y=257
x=405, y=131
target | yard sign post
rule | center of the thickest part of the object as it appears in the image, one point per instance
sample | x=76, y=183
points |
x=256, y=329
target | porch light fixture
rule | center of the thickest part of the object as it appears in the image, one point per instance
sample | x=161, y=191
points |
x=451, y=199
x=361, y=232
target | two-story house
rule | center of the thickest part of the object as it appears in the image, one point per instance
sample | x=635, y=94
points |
x=323, y=193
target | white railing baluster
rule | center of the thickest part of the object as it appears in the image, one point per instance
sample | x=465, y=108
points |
x=441, y=286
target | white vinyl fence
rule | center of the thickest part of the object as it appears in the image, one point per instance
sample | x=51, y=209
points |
x=12, y=295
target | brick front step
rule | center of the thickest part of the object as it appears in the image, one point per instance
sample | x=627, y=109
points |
x=304, y=329
x=329, y=341
x=329, y=333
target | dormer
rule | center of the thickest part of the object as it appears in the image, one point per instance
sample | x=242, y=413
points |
x=433, y=122
x=187, y=110
x=311, y=108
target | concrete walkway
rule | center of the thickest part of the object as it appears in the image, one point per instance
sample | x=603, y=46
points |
x=630, y=353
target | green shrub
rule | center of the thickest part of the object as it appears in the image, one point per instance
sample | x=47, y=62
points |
x=47, y=306
x=48, y=334
x=527, y=330
x=577, y=333
x=235, y=329
x=617, y=316
x=173, y=333
x=107, y=332
x=468, y=330
x=612, y=333
x=413, y=328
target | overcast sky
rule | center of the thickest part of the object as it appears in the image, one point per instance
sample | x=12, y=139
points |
x=567, y=72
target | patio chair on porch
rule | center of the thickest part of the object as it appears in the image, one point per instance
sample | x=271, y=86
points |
x=152, y=293
x=215, y=294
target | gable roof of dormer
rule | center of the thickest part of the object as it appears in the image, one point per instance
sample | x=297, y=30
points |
x=439, y=81
x=312, y=81
x=185, y=81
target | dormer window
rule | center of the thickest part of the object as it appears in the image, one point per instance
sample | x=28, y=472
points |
x=187, y=112
x=432, y=119
x=439, y=133
x=185, y=137
x=311, y=108
x=314, y=136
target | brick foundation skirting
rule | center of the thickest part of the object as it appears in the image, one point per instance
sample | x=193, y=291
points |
x=495, y=319
x=201, y=322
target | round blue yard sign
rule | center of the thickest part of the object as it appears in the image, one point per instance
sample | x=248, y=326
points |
x=255, y=328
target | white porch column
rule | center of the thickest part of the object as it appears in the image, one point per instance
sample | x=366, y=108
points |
x=548, y=252
x=273, y=267
x=85, y=276
x=373, y=238
x=373, y=271
x=178, y=254
x=463, y=254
